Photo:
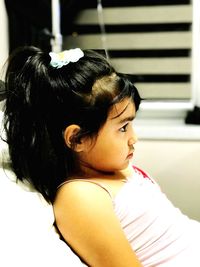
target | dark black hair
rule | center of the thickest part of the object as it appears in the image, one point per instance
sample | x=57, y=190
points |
x=43, y=100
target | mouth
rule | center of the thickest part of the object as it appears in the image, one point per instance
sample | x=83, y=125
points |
x=130, y=155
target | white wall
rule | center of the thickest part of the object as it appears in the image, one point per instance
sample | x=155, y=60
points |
x=176, y=167
x=4, y=35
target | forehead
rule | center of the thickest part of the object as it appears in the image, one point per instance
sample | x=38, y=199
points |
x=122, y=109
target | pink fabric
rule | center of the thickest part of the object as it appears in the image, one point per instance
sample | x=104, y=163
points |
x=157, y=231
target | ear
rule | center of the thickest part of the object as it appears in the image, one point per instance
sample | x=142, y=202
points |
x=69, y=133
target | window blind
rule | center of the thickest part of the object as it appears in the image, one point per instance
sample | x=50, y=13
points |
x=149, y=40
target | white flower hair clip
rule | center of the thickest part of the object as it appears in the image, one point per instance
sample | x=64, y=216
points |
x=65, y=57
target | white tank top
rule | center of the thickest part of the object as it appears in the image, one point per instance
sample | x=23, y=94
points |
x=158, y=232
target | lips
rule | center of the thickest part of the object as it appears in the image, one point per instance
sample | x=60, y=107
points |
x=130, y=155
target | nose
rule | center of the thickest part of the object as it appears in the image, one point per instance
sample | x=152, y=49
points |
x=133, y=139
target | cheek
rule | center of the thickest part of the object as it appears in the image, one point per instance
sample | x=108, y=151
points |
x=117, y=146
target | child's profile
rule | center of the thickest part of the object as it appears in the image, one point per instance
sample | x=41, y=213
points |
x=69, y=122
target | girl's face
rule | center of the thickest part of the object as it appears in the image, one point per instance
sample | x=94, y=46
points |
x=113, y=148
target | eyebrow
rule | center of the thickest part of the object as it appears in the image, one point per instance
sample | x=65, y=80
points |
x=118, y=115
x=129, y=118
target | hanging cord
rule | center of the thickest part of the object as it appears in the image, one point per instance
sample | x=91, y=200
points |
x=102, y=27
x=56, y=42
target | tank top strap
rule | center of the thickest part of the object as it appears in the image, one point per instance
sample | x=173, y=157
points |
x=89, y=181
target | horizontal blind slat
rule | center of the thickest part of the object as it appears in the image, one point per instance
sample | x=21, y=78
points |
x=153, y=65
x=152, y=14
x=165, y=90
x=165, y=40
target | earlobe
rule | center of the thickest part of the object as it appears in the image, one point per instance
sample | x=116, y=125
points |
x=69, y=135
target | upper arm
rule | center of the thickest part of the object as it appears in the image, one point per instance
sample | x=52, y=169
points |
x=86, y=219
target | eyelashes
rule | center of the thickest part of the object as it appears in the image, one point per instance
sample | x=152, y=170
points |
x=124, y=128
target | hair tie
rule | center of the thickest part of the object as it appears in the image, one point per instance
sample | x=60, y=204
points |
x=65, y=57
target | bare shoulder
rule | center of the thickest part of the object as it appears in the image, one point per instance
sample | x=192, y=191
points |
x=82, y=198
x=85, y=217
x=83, y=190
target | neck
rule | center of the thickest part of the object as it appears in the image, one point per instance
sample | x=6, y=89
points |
x=89, y=172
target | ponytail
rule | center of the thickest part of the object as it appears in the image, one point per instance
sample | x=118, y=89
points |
x=31, y=147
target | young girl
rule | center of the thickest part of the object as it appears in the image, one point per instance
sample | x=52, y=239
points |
x=68, y=120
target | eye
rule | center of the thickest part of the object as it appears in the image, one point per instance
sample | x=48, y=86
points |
x=124, y=128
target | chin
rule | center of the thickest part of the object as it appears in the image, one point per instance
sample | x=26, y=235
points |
x=123, y=166
x=115, y=168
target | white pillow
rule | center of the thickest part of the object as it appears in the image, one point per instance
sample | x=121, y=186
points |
x=27, y=235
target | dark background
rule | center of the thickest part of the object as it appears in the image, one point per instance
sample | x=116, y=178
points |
x=30, y=21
